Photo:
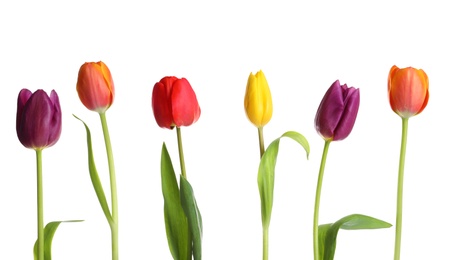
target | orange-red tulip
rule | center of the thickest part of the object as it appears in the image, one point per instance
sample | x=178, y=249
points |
x=95, y=86
x=407, y=91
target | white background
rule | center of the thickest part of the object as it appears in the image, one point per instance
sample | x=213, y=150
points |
x=302, y=48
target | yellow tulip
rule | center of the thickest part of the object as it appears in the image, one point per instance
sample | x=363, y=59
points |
x=258, y=100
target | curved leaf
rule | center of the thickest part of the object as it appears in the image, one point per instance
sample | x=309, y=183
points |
x=49, y=232
x=193, y=215
x=351, y=222
x=266, y=174
x=176, y=223
x=95, y=177
x=323, y=229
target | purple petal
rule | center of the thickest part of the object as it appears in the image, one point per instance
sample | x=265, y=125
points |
x=348, y=118
x=330, y=111
x=22, y=99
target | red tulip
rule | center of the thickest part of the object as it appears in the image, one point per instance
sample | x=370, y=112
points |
x=407, y=91
x=174, y=103
x=337, y=112
x=38, y=119
x=95, y=86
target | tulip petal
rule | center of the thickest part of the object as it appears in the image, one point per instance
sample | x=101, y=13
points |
x=330, y=111
x=185, y=107
x=347, y=121
x=56, y=120
x=161, y=105
x=24, y=95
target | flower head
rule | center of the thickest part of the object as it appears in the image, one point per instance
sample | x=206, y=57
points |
x=38, y=119
x=258, y=100
x=408, y=91
x=337, y=112
x=95, y=86
x=174, y=103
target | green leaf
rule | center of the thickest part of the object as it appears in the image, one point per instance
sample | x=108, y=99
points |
x=193, y=215
x=351, y=222
x=177, y=230
x=323, y=229
x=95, y=177
x=49, y=232
x=266, y=174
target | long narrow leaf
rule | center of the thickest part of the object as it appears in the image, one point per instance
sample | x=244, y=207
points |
x=95, y=177
x=176, y=224
x=351, y=222
x=49, y=232
x=266, y=174
x=323, y=229
x=193, y=215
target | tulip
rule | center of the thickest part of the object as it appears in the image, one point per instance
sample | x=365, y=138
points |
x=95, y=86
x=258, y=100
x=407, y=91
x=174, y=103
x=38, y=119
x=337, y=112
x=408, y=96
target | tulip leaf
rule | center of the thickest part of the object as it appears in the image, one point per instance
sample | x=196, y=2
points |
x=328, y=232
x=49, y=232
x=323, y=229
x=266, y=174
x=97, y=184
x=176, y=224
x=193, y=215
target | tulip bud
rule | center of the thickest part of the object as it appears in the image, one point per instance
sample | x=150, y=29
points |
x=174, y=103
x=407, y=91
x=337, y=112
x=258, y=100
x=95, y=86
x=38, y=119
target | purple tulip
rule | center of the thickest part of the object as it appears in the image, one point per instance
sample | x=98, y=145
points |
x=337, y=112
x=38, y=121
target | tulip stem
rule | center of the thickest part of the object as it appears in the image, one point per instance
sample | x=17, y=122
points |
x=317, y=200
x=265, y=242
x=40, y=205
x=181, y=152
x=398, y=235
x=114, y=201
x=260, y=131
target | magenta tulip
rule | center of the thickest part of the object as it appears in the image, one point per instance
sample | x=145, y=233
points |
x=337, y=112
x=38, y=120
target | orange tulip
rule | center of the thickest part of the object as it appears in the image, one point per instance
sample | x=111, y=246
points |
x=95, y=86
x=407, y=91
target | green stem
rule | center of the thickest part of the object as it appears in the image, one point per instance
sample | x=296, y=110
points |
x=398, y=235
x=265, y=242
x=181, y=152
x=265, y=227
x=40, y=205
x=114, y=200
x=260, y=131
x=317, y=200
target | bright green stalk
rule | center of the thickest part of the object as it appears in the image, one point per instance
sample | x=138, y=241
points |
x=265, y=226
x=265, y=242
x=261, y=140
x=317, y=200
x=398, y=235
x=181, y=153
x=40, y=205
x=114, y=200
